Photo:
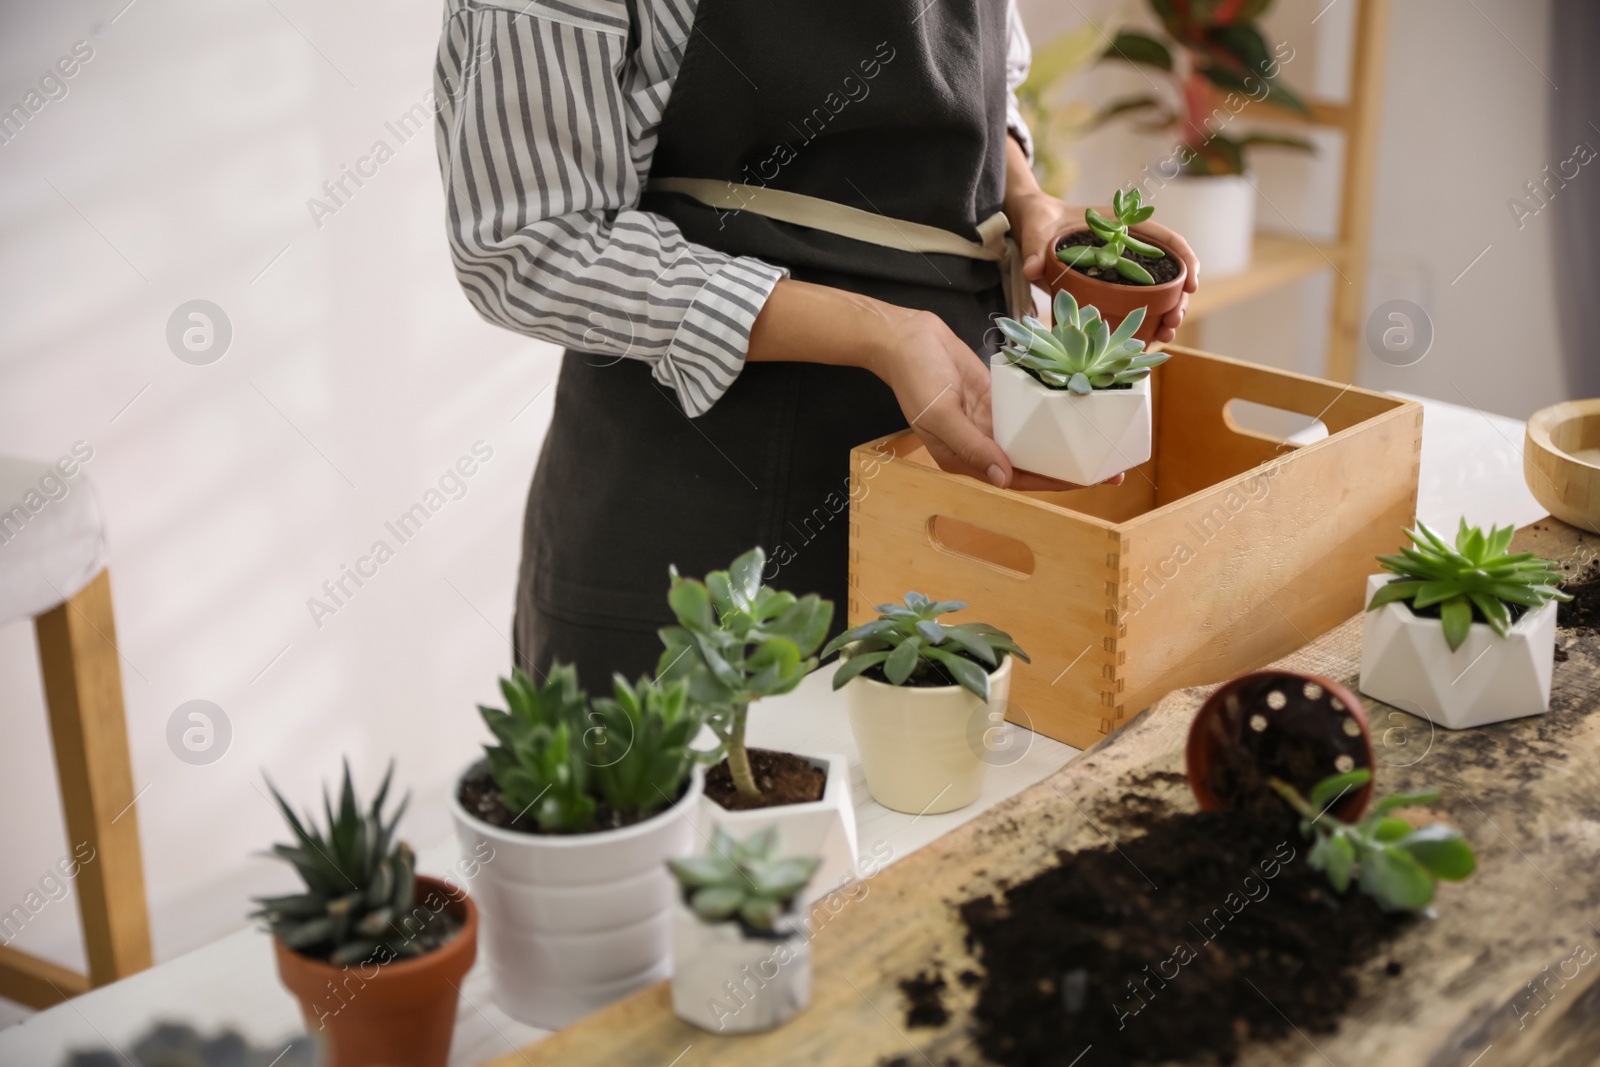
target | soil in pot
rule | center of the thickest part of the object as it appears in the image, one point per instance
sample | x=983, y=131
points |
x=1163, y=269
x=481, y=798
x=1149, y=951
x=783, y=777
x=1582, y=612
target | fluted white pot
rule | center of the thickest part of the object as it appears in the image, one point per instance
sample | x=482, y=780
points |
x=1056, y=432
x=824, y=828
x=1216, y=214
x=923, y=748
x=729, y=982
x=572, y=922
x=1405, y=661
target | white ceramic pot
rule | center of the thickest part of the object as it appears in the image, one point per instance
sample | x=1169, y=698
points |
x=923, y=749
x=825, y=828
x=1056, y=432
x=572, y=922
x=730, y=983
x=1406, y=662
x=1216, y=214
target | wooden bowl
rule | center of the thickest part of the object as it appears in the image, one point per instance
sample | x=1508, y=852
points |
x=1561, y=461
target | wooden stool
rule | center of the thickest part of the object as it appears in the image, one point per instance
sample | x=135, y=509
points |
x=44, y=554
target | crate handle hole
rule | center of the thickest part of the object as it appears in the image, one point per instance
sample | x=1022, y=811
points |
x=996, y=550
x=1276, y=424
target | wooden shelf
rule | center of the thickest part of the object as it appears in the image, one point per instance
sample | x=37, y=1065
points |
x=1276, y=261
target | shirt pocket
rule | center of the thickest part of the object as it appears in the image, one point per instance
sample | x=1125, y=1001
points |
x=600, y=16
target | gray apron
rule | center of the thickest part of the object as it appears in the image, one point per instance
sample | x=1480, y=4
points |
x=891, y=107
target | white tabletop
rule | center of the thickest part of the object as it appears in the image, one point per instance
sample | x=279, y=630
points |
x=1471, y=465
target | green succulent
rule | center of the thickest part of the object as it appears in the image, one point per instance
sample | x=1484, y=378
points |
x=641, y=748
x=1396, y=864
x=360, y=885
x=539, y=766
x=738, y=641
x=744, y=880
x=907, y=634
x=1129, y=209
x=1081, y=353
x=1476, y=577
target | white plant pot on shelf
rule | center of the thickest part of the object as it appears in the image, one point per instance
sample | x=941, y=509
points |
x=1216, y=214
x=572, y=922
x=1406, y=662
x=824, y=828
x=923, y=749
x=1056, y=432
x=728, y=982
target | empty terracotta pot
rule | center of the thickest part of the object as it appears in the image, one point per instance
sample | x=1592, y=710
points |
x=1116, y=302
x=400, y=1014
x=1298, y=728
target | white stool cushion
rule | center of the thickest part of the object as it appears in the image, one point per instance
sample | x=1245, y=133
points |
x=52, y=535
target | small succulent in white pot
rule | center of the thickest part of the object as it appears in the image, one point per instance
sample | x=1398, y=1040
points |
x=925, y=698
x=1073, y=401
x=741, y=952
x=1464, y=633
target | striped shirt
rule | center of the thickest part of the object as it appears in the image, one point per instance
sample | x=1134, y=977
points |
x=547, y=125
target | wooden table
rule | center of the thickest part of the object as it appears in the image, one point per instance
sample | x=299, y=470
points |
x=1526, y=793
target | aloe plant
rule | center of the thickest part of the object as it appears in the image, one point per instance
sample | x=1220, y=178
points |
x=360, y=884
x=738, y=641
x=1128, y=206
x=743, y=879
x=1080, y=352
x=1474, y=577
x=1395, y=863
x=908, y=634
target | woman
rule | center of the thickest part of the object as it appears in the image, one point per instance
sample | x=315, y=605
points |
x=764, y=233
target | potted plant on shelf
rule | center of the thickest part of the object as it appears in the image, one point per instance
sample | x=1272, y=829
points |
x=1216, y=65
x=374, y=953
x=738, y=641
x=1073, y=401
x=920, y=697
x=578, y=807
x=1104, y=264
x=1465, y=633
x=742, y=956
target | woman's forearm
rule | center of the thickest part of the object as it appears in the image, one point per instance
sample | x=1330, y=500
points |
x=806, y=323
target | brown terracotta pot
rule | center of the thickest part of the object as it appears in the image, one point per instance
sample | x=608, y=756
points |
x=1116, y=302
x=400, y=1014
x=1239, y=725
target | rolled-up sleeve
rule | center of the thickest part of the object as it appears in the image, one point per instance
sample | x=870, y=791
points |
x=545, y=129
x=1019, y=57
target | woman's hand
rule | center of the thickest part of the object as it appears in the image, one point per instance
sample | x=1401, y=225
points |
x=1037, y=219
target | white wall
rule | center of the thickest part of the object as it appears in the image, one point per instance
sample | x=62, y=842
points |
x=191, y=142
x=1464, y=127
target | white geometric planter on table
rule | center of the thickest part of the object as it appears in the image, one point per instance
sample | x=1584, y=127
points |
x=1406, y=662
x=824, y=828
x=923, y=748
x=727, y=982
x=572, y=922
x=1056, y=432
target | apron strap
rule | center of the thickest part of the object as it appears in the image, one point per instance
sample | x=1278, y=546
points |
x=866, y=226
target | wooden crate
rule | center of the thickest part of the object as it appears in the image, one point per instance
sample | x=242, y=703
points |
x=1227, y=550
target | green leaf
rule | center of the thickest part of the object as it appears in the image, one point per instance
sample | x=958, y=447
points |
x=1076, y=255
x=1065, y=309
x=1139, y=48
x=902, y=661
x=1395, y=801
x=973, y=642
x=1079, y=383
x=1324, y=792
x=1335, y=856
x=1442, y=850
x=691, y=603
x=1394, y=878
x=1143, y=248
x=700, y=871
x=967, y=674
x=1456, y=617
x=760, y=911
x=1391, y=829
x=715, y=903
x=1128, y=327
x=1133, y=272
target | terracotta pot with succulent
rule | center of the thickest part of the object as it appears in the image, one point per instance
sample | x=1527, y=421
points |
x=741, y=952
x=1073, y=401
x=1104, y=264
x=738, y=641
x=573, y=815
x=374, y=953
x=1463, y=634
x=924, y=697
x=1217, y=64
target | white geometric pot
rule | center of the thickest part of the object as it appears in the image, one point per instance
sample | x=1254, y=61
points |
x=923, y=748
x=572, y=922
x=730, y=983
x=1406, y=662
x=1217, y=216
x=824, y=828
x=1056, y=432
